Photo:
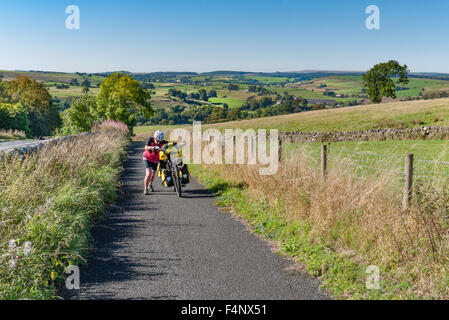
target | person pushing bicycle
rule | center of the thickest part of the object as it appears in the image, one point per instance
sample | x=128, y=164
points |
x=151, y=159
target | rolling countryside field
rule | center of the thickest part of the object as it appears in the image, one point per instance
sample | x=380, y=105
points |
x=387, y=115
x=341, y=89
x=345, y=89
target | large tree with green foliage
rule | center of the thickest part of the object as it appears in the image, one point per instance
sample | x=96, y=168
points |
x=35, y=97
x=4, y=95
x=14, y=117
x=80, y=117
x=379, y=80
x=124, y=99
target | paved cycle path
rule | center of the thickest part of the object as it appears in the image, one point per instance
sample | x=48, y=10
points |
x=164, y=247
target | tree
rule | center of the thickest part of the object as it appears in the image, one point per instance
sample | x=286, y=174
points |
x=80, y=117
x=203, y=95
x=234, y=114
x=4, y=95
x=252, y=88
x=32, y=94
x=218, y=114
x=379, y=83
x=85, y=83
x=148, y=85
x=124, y=99
x=35, y=97
x=233, y=87
x=14, y=116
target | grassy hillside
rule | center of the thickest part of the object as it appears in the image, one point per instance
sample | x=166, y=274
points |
x=73, y=91
x=49, y=77
x=387, y=115
x=52, y=79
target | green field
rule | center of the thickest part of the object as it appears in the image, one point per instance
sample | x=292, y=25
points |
x=268, y=80
x=379, y=157
x=73, y=91
x=52, y=79
x=308, y=94
x=58, y=77
x=232, y=103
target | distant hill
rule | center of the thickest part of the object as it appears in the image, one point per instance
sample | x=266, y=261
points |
x=309, y=74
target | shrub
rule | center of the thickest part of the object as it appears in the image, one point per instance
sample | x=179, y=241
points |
x=112, y=125
x=35, y=97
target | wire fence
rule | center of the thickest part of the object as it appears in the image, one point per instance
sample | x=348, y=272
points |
x=364, y=164
x=378, y=162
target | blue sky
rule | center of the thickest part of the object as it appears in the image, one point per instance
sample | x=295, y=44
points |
x=200, y=35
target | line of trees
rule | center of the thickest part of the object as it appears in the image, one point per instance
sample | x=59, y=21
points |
x=262, y=107
x=202, y=94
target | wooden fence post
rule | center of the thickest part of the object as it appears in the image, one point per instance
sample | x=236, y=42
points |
x=408, y=181
x=323, y=161
x=279, y=150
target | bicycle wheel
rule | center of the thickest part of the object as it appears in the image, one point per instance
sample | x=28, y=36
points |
x=177, y=181
x=173, y=178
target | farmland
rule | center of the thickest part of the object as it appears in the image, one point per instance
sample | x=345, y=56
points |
x=73, y=91
x=367, y=158
x=279, y=100
x=50, y=77
x=340, y=88
x=387, y=115
x=352, y=85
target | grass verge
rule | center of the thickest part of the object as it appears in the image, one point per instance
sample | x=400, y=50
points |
x=48, y=202
x=337, y=231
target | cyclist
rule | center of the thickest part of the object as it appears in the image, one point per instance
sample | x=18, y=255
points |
x=151, y=159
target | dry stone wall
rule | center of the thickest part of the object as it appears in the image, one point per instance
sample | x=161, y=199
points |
x=422, y=133
x=31, y=146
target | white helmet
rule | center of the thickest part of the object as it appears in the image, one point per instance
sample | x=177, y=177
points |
x=159, y=135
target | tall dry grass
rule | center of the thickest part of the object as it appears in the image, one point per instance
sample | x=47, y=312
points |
x=363, y=220
x=12, y=134
x=50, y=199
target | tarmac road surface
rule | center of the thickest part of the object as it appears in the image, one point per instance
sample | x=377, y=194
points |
x=164, y=247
